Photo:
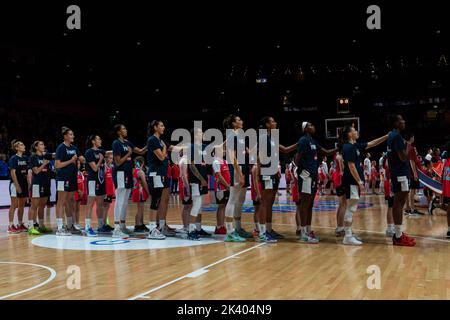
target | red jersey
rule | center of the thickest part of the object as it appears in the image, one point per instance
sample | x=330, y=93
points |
x=294, y=190
x=109, y=183
x=220, y=165
x=175, y=172
x=446, y=179
x=387, y=180
x=81, y=186
x=138, y=194
x=337, y=176
x=373, y=173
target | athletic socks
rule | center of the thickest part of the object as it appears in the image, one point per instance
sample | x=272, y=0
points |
x=30, y=224
x=191, y=227
x=238, y=224
x=198, y=226
x=269, y=226
x=229, y=226
x=152, y=225
x=162, y=223
x=101, y=223
x=348, y=231
x=262, y=229
x=59, y=223
x=116, y=225
x=87, y=223
x=390, y=226
x=304, y=230
x=398, y=231
x=338, y=229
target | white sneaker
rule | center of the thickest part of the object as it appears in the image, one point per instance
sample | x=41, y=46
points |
x=182, y=230
x=351, y=240
x=155, y=234
x=117, y=233
x=63, y=232
x=78, y=227
x=390, y=233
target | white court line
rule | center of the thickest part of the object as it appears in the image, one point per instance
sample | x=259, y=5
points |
x=361, y=230
x=193, y=273
x=52, y=276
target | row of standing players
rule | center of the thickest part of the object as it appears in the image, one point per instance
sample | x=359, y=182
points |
x=231, y=182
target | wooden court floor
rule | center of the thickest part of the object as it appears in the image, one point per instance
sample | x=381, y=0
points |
x=44, y=267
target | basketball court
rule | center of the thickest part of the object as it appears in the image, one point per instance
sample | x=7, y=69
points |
x=44, y=267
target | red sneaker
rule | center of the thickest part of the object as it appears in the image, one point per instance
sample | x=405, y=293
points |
x=13, y=229
x=220, y=230
x=22, y=228
x=404, y=241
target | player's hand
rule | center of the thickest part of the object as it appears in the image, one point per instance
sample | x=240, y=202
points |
x=18, y=189
x=361, y=188
x=204, y=183
x=45, y=162
x=100, y=158
x=130, y=151
x=74, y=159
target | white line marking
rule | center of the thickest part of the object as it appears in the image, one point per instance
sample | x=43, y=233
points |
x=203, y=270
x=52, y=276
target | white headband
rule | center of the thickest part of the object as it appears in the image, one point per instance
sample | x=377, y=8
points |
x=304, y=124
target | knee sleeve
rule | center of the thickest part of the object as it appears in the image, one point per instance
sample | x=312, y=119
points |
x=352, y=205
x=197, y=202
x=118, y=203
x=231, y=204
x=123, y=211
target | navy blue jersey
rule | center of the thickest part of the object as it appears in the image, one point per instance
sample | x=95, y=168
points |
x=92, y=155
x=42, y=177
x=202, y=168
x=351, y=152
x=20, y=164
x=121, y=149
x=153, y=162
x=307, y=148
x=396, y=143
x=65, y=153
x=270, y=149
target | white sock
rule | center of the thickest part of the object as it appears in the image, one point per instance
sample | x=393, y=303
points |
x=100, y=222
x=116, y=226
x=348, y=231
x=304, y=230
x=257, y=226
x=398, y=231
x=229, y=226
x=391, y=227
x=269, y=226
x=152, y=225
x=191, y=227
x=299, y=228
x=238, y=224
x=69, y=221
x=262, y=229
x=30, y=224
x=88, y=223
x=162, y=223
x=59, y=223
x=339, y=228
x=198, y=226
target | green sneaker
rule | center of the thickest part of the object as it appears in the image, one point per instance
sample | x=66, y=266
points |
x=244, y=234
x=44, y=229
x=308, y=239
x=234, y=237
x=33, y=232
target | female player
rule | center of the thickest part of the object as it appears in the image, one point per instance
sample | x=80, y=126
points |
x=353, y=178
x=66, y=180
x=240, y=177
x=40, y=187
x=18, y=186
x=140, y=193
x=269, y=183
x=96, y=182
x=110, y=192
x=123, y=178
x=340, y=193
x=158, y=180
x=222, y=182
x=306, y=160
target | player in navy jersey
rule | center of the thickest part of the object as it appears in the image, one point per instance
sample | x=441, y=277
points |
x=306, y=160
x=95, y=156
x=18, y=187
x=399, y=170
x=158, y=180
x=40, y=187
x=240, y=179
x=123, y=178
x=269, y=183
x=353, y=178
x=66, y=157
x=198, y=183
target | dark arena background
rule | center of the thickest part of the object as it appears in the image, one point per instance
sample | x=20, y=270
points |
x=132, y=62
